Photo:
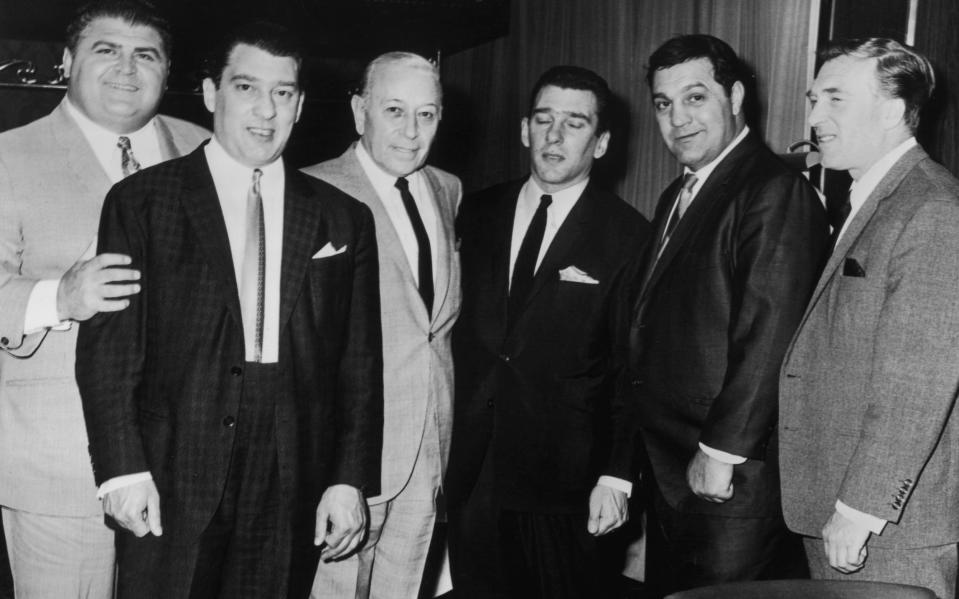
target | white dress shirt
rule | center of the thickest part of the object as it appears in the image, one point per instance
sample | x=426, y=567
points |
x=232, y=181
x=556, y=213
x=41, y=312
x=385, y=186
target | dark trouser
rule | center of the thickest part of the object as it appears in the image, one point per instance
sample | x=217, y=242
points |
x=498, y=553
x=245, y=551
x=686, y=550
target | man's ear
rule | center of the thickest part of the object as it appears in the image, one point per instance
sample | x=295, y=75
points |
x=524, y=131
x=893, y=112
x=602, y=144
x=209, y=94
x=67, y=63
x=358, y=104
x=736, y=96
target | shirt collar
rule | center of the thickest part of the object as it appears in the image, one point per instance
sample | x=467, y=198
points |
x=703, y=173
x=861, y=189
x=222, y=163
x=103, y=137
x=383, y=182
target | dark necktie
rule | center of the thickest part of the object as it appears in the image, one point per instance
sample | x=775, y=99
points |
x=254, y=268
x=128, y=163
x=837, y=218
x=525, y=266
x=425, y=257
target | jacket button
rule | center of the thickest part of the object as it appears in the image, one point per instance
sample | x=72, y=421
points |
x=236, y=371
x=490, y=404
x=4, y=341
x=504, y=357
x=430, y=336
x=229, y=422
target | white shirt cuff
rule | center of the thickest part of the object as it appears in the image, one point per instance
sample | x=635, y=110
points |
x=873, y=523
x=722, y=456
x=118, y=482
x=42, y=308
x=616, y=483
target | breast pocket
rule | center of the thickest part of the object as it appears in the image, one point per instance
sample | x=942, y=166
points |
x=330, y=284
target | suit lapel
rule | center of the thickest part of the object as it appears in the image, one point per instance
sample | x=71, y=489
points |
x=202, y=207
x=502, y=228
x=80, y=159
x=884, y=189
x=168, y=147
x=301, y=224
x=444, y=238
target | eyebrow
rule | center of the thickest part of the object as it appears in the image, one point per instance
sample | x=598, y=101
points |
x=828, y=90
x=572, y=113
x=137, y=49
x=252, y=79
x=698, y=84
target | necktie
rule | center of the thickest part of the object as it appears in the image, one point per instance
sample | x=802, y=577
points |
x=128, y=163
x=254, y=268
x=525, y=266
x=837, y=218
x=425, y=257
x=682, y=203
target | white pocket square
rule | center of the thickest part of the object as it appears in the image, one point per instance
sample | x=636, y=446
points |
x=575, y=275
x=328, y=250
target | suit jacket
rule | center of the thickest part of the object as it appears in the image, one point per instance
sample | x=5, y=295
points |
x=417, y=357
x=160, y=379
x=51, y=190
x=869, y=383
x=713, y=318
x=540, y=396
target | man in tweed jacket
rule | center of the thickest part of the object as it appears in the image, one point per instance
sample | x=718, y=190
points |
x=868, y=432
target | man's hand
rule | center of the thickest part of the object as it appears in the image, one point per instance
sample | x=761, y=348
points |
x=709, y=478
x=135, y=508
x=88, y=287
x=608, y=510
x=845, y=543
x=340, y=521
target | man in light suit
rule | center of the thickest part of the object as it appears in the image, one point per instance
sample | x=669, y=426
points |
x=738, y=246
x=869, y=434
x=234, y=409
x=397, y=114
x=54, y=174
x=541, y=457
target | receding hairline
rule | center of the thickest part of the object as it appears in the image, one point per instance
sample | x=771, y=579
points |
x=399, y=59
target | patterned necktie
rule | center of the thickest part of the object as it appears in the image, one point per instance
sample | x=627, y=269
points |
x=254, y=268
x=525, y=267
x=682, y=203
x=128, y=163
x=837, y=218
x=425, y=256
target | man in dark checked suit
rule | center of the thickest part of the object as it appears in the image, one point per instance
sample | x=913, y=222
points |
x=235, y=408
x=541, y=456
x=738, y=246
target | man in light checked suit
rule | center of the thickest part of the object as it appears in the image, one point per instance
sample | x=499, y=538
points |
x=396, y=115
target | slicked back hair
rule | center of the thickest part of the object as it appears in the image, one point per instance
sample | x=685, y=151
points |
x=134, y=12
x=574, y=77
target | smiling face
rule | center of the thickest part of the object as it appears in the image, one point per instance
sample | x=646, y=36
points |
x=562, y=137
x=696, y=117
x=117, y=73
x=855, y=124
x=255, y=106
x=398, y=118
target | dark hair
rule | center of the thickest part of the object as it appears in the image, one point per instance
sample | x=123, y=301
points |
x=727, y=67
x=901, y=71
x=573, y=77
x=265, y=35
x=134, y=12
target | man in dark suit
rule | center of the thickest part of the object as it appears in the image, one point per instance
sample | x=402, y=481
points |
x=240, y=394
x=541, y=456
x=739, y=240
x=869, y=432
x=54, y=174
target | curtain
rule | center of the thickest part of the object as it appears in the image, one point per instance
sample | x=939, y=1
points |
x=487, y=87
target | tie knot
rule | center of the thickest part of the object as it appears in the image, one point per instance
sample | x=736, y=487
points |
x=124, y=143
x=545, y=200
x=402, y=184
x=689, y=181
x=257, y=173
